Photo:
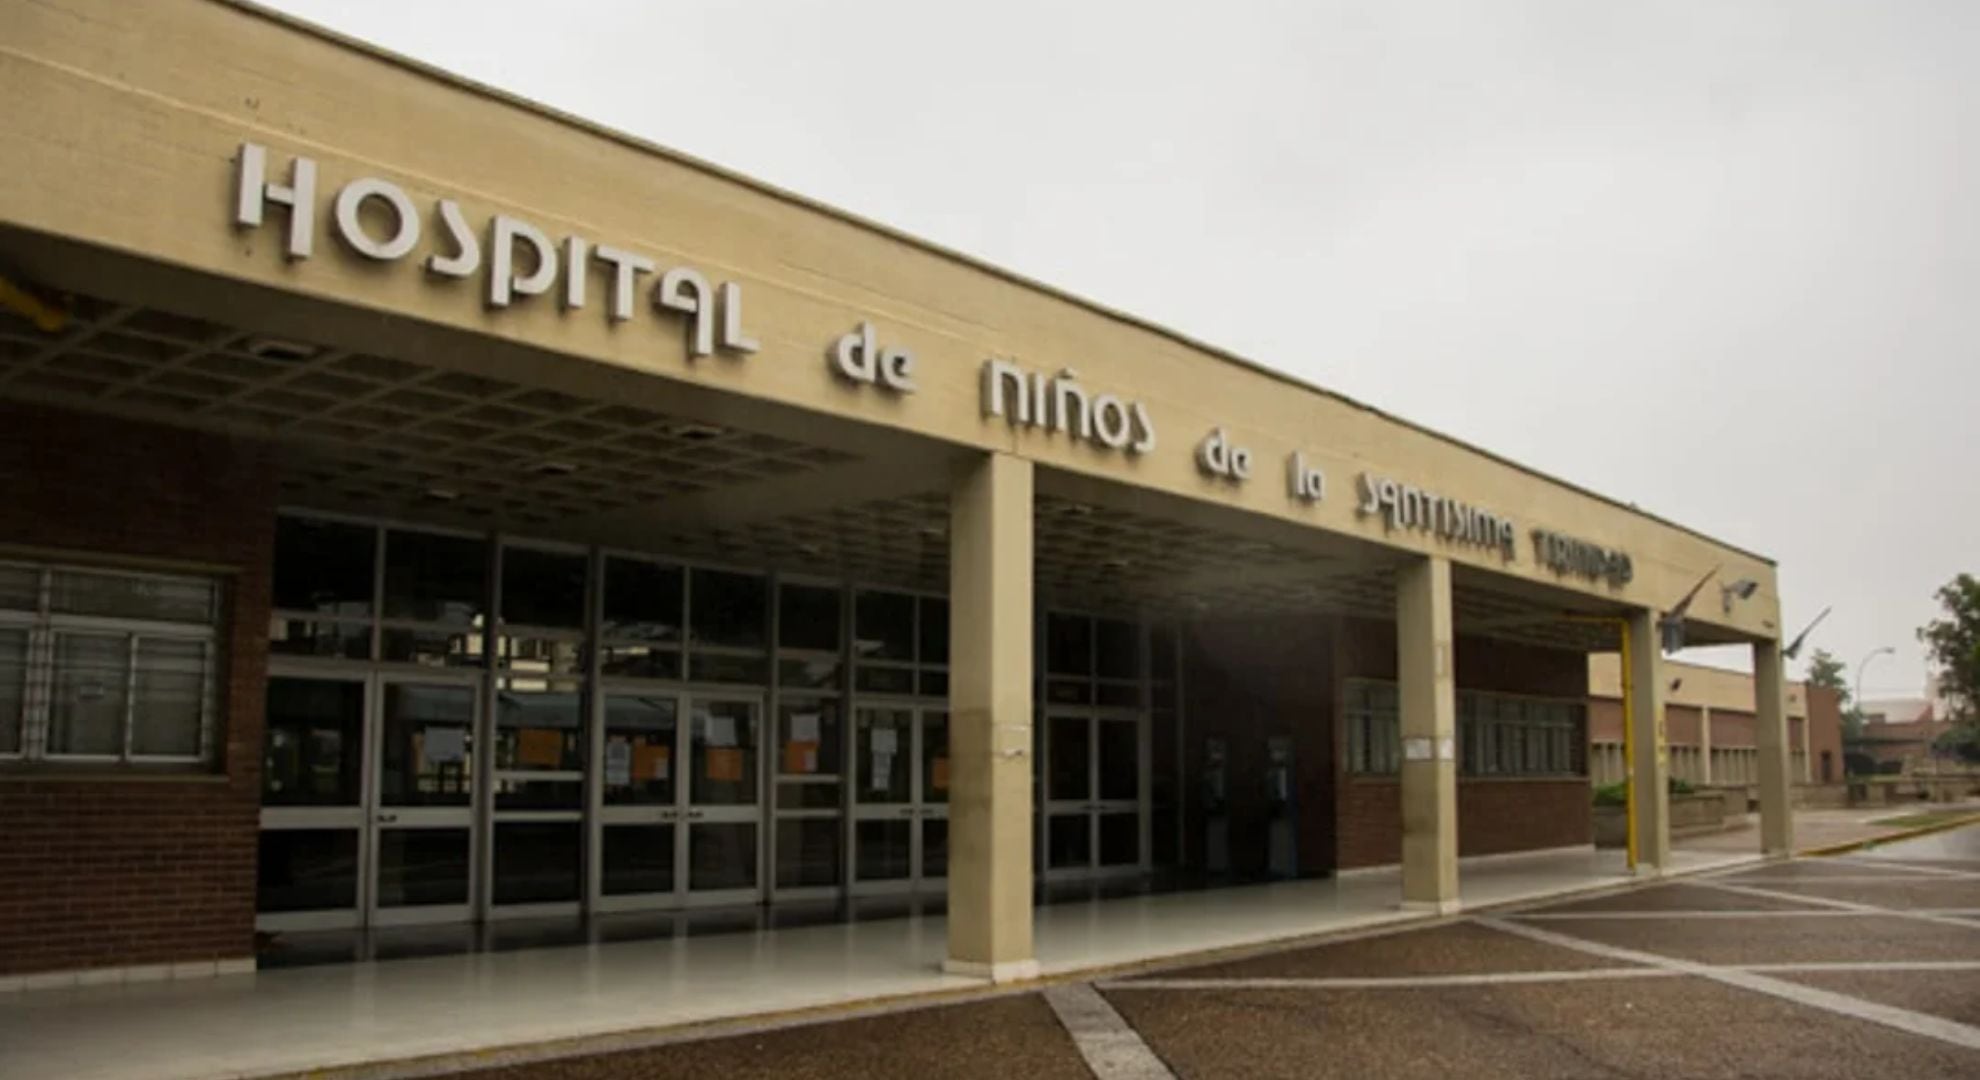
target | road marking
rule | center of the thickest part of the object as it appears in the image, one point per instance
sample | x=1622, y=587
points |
x=1930, y=871
x=1844, y=906
x=1871, y=966
x=1112, y=1049
x=1831, y=879
x=1393, y=982
x=1932, y=1027
x=1700, y=913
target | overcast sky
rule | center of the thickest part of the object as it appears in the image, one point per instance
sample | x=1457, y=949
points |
x=1719, y=259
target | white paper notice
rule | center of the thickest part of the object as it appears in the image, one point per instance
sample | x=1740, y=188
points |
x=445, y=745
x=1417, y=748
x=618, y=763
x=721, y=730
x=804, y=727
x=883, y=769
x=1446, y=749
x=885, y=741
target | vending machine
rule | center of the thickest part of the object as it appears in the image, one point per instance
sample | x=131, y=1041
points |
x=1282, y=810
x=1216, y=810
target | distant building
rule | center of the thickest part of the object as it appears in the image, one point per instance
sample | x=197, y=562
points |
x=1709, y=729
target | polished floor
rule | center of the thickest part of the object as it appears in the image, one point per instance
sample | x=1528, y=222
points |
x=321, y=1016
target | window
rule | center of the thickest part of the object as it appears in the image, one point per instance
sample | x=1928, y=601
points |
x=1498, y=734
x=103, y=666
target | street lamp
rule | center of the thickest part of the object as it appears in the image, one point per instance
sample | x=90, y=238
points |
x=1857, y=701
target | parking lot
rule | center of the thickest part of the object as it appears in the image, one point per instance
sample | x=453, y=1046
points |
x=1851, y=966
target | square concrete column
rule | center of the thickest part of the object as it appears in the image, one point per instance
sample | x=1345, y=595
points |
x=1427, y=696
x=1770, y=723
x=1705, y=743
x=990, y=738
x=1650, y=773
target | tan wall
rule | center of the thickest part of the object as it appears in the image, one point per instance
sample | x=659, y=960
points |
x=1701, y=686
x=130, y=115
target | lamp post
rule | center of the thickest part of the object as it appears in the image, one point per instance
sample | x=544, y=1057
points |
x=1857, y=701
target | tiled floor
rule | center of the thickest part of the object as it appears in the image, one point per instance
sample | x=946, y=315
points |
x=322, y=1016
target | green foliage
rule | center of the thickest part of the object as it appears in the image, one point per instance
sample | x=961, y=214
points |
x=1682, y=787
x=1616, y=794
x=1825, y=670
x=1952, y=644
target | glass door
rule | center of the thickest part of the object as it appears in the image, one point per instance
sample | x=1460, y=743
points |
x=422, y=838
x=900, y=800
x=640, y=811
x=1095, y=787
x=723, y=802
x=313, y=804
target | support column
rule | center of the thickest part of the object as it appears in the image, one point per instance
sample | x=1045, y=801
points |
x=1427, y=696
x=1650, y=773
x=1770, y=724
x=990, y=738
x=1705, y=744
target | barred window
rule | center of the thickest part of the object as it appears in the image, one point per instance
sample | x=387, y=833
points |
x=1498, y=734
x=106, y=666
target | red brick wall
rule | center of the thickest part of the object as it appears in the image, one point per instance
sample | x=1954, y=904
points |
x=1681, y=724
x=1494, y=817
x=101, y=867
x=1731, y=729
x=1825, y=732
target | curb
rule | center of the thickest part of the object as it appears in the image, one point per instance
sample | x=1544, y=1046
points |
x=1890, y=838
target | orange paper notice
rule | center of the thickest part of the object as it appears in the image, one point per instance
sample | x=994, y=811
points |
x=725, y=764
x=938, y=774
x=801, y=757
x=649, y=762
x=543, y=747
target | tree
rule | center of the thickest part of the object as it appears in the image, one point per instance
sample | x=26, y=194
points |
x=1826, y=671
x=1952, y=646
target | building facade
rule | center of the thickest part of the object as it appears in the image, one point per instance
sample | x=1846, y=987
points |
x=430, y=509
x=1709, y=727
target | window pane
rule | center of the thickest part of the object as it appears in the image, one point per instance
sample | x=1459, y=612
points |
x=934, y=630
x=728, y=609
x=883, y=626
x=537, y=862
x=642, y=600
x=307, y=870
x=90, y=694
x=314, y=743
x=722, y=749
x=82, y=592
x=13, y=688
x=638, y=859
x=1120, y=652
x=427, y=744
x=324, y=566
x=171, y=697
x=543, y=588
x=639, y=748
x=807, y=852
x=808, y=733
x=433, y=578
x=809, y=618
x=20, y=588
x=1069, y=645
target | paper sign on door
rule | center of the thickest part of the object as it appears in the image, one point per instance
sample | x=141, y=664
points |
x=938, y=774
x=618, y=763
x=725, y=764
x=721, y=729
x=542, y=747
x=444, y=745
x=800, y=757
x=804, y=727
x=885, y=741
x=650, y=762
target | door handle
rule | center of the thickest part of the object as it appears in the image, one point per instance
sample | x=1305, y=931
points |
x=386, y=819
x=694, y=815
x=907, y=811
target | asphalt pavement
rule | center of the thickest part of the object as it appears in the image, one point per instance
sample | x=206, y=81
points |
x=1860, y=965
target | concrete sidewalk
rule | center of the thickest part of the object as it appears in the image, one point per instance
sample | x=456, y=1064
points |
x=1815, y=830
x=331, y=1016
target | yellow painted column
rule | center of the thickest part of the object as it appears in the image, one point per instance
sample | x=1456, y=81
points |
x=1427, y=696
x=1650, y=773
x=1770, y=733
x=990, y=718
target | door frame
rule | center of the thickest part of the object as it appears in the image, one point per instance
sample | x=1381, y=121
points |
x=916, y=810
x=1092, y=807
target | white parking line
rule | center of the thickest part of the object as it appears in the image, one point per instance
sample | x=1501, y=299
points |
x=1916, y=1023
x=1694, y=913
x=1393, y=982
x=1824, y=879
x=1112, y=1049
x=1844, y=906
x=1929, y=871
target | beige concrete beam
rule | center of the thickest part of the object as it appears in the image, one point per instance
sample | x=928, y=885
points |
x=1770, y=734
x=1650, y=772
x=990, y=638
x=1427, y=693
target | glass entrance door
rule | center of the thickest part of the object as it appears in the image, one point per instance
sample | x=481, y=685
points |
x=422, y=815
x=1095, y=793
x=900, y=769
x=314, y=808
x=681, y=820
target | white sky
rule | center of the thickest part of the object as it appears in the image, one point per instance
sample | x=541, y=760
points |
x=1719, y=259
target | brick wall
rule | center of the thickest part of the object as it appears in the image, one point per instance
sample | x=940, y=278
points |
x=1494, y=816
x=1825, y=732
x=101, y=867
